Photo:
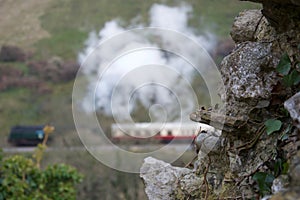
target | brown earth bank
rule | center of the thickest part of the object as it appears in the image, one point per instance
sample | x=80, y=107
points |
x=33, y=74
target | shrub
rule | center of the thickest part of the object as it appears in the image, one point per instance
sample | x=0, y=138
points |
x=22, y=178
x=12, y=54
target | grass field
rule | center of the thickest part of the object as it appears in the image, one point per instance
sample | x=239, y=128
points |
x=20, y=24
x=60, y=27
x=70, y=21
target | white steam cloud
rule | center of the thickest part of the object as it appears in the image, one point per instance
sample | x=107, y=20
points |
x=153, y=77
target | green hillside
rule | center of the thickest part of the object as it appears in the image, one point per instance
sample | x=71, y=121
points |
x=59, y=28
x=69, y=22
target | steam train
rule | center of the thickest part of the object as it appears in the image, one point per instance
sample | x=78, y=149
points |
x=161, y=132
x=26, y=135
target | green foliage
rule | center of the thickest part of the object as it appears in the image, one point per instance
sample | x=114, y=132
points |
x=280, y=167
x=19, y=106
x=264, y=181
x=22, y=106
x=291, y=75
x=81, y=17
x=292, y=78
x=65, y=44
x=284, y=135
x=285, y=168
x=272, y=125
x=61, y=180
x=22, y=179
x=1, y=155
x=284, y=65
x=277, y=167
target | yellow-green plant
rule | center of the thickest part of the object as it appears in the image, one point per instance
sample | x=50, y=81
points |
x=21, y=178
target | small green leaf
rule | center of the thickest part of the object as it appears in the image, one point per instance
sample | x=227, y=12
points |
x=277, y=167
x=284, y=137
x=285, y=133
x=287, y=81
x=288, y=129
x=284, y=65
x=285, y=168
x=291, y=79
x=264, y=181
x=295, y=76
x=272, y=125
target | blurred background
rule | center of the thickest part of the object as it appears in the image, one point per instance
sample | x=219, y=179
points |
x=43, y=44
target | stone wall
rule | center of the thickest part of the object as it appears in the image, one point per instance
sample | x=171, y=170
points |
x=255, y=93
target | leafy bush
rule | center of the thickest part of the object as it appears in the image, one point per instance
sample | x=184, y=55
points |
x=12, y=54
x=22, y=179
x=54, y=70
x=289, y=71
x=264, y=181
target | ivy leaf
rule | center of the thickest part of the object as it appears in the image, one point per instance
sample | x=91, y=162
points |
x=272, y=125
x=277, y=167
x=284, y=65
x=291, y=79
x=264, y=181
x=295, y=75
x=285, y=168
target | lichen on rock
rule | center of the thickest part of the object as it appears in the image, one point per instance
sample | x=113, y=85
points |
x=254, y=94
x=248, y=73
x=293, y=106
x=166, y=182
x=245, y=26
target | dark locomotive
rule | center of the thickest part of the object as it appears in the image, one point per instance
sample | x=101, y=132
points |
x=26, y=135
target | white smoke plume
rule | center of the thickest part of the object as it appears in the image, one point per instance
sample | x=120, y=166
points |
x=150, y=76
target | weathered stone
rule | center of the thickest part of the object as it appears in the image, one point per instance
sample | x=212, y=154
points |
x=280, y=2
x=280, y=184
x=248, y=70
x=245, y=25
x=283, y=15
x=254, y=94
x=165, y=182
x=219, y=121
x=295, y=169
x=264, y=31
x=249, y=76
x=293, y=106
x=287, y=195
x=208, y=141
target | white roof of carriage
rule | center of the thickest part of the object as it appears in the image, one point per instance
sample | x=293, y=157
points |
x=156, y=125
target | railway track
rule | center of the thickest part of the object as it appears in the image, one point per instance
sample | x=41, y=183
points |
x=133, y=148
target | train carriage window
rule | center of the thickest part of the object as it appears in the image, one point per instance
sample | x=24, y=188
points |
x=176, y=132
x=163, y=132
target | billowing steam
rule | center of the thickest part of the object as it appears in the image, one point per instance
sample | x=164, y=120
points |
x=148, y=75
